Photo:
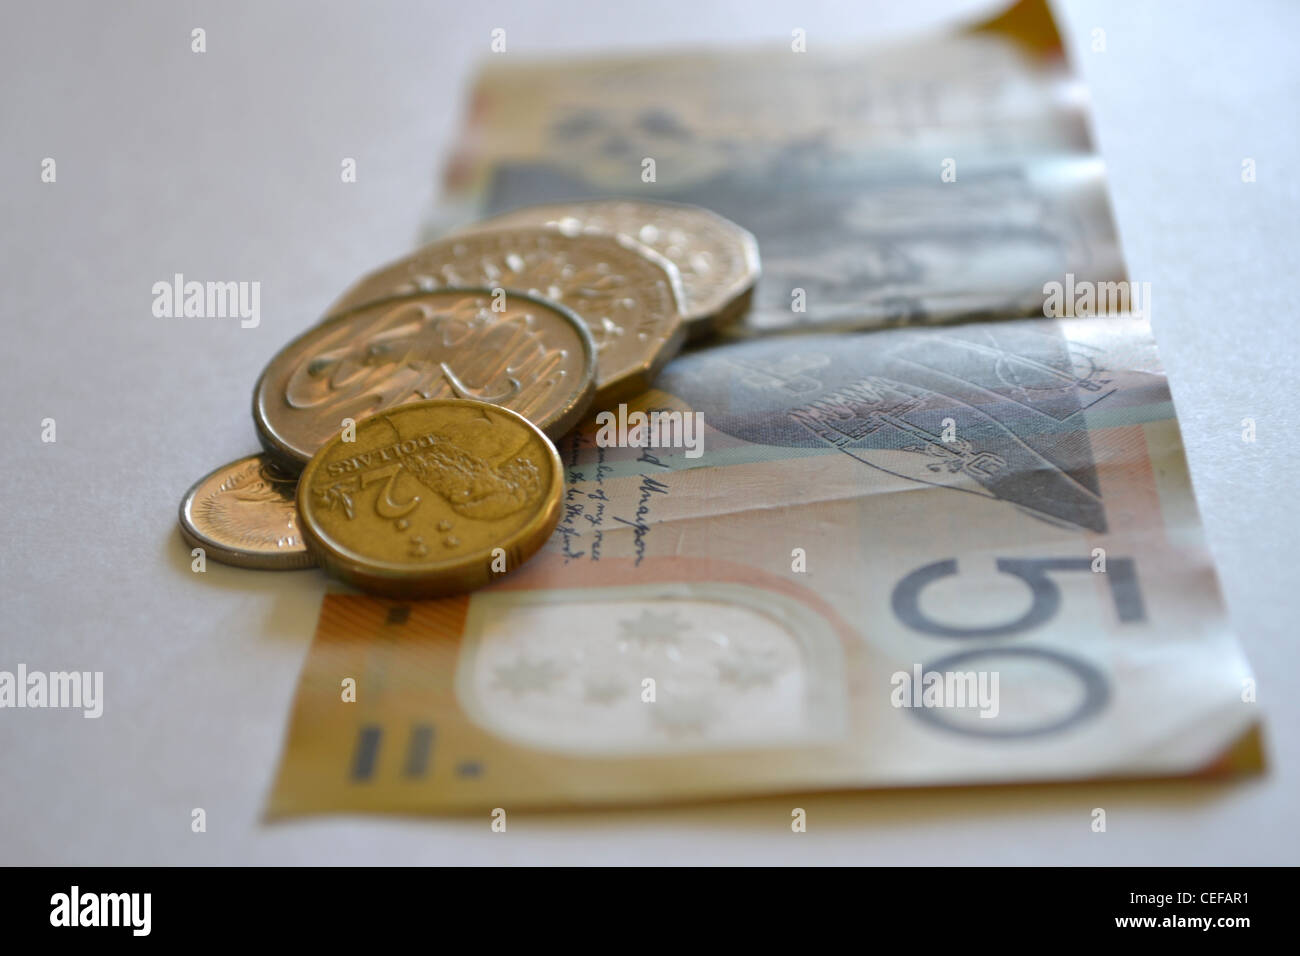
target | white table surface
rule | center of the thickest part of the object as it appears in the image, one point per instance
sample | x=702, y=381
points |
x=226, y=164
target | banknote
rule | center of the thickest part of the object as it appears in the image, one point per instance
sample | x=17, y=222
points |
x=921, y=556
x=940, y=180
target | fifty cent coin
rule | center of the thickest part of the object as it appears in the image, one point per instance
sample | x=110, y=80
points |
x=628, y=295
x=243, y=514
x=511, y=349
x=433, y=498
x=717, y=259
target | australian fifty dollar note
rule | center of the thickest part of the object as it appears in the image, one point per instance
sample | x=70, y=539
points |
x=921, y=556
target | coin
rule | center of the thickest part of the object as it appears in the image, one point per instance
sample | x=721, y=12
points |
x=628, y=295
x=243, y=514
x=717, y=259
x=515, y=350
x=432, y=498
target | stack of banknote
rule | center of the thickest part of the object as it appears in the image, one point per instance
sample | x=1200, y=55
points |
x=923, y=517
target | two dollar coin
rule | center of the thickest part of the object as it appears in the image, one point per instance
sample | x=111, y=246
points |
x=432, y=498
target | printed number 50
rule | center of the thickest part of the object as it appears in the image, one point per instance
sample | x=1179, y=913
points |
x=1035, y=572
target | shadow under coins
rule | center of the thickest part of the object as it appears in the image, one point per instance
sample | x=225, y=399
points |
x=297, y=593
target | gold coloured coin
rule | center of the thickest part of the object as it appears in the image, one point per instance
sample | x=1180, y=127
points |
x=432, y=498
x=717, y=259
x=243, y=514
x=514, y=350
x=628, y=295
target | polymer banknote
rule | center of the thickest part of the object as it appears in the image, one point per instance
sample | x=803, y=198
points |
x=915, y=557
